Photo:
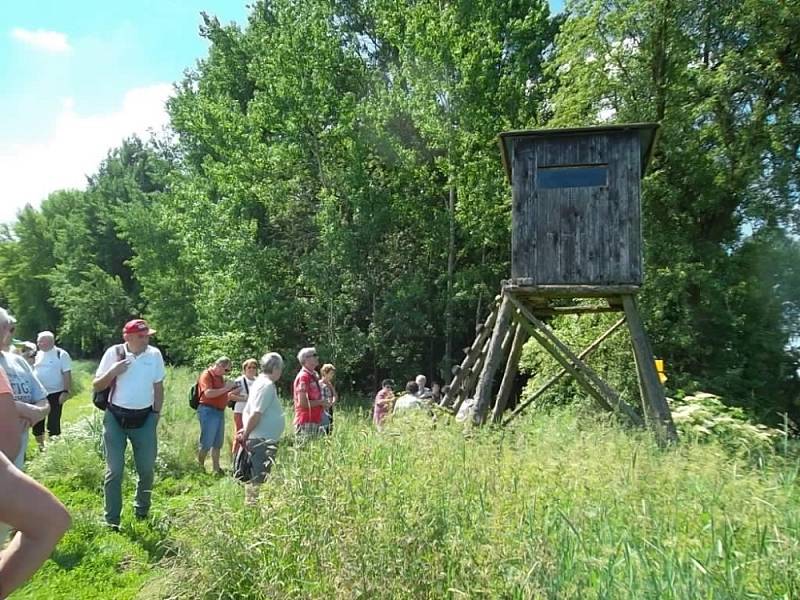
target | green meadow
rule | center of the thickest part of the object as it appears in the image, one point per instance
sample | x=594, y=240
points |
x=564, y=505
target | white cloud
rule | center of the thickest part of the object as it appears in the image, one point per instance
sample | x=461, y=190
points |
x=74, y=148
x=50, y=41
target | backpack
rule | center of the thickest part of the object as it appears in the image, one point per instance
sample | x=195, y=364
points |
x=194, y=395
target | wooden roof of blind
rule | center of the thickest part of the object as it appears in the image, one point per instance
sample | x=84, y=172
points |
x=648, y=132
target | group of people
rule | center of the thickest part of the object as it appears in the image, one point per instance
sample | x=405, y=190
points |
x=35, y=381
x=258, y=415
x=416, y=396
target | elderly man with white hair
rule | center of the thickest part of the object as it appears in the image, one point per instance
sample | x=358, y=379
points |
x=53, y=367
x=423, y=392
x=263, y=423
x=308, y=401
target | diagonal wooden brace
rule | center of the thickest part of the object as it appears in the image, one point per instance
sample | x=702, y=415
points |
x=555, y=378
x=583, y=374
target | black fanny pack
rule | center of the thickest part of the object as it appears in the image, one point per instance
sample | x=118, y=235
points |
x=129, y=418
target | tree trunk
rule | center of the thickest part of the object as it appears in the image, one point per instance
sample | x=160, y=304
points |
x=451, y=267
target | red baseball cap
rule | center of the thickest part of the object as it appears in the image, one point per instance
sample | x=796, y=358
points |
x=137, y=326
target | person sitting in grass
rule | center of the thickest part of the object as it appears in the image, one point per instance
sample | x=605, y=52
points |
x=263, y=424
x=383, y=403
x=409, y=400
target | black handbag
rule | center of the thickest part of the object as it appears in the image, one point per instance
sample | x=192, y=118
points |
x=100, y=399
x=242, y=464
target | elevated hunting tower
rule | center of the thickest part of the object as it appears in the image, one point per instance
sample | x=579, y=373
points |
x=576, y=233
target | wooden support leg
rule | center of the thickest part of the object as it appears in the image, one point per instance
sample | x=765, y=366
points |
x=654, y=402
x=583, y=374
x=483, y=393
x=555, y=378
x=520, y=337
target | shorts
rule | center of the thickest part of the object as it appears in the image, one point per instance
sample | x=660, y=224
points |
x=212, y=427
x=308, y=430
x=262, y=457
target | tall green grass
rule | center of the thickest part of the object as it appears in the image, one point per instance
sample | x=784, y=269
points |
x=566, y=505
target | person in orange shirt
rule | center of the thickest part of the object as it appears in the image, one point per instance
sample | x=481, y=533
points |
x=211, y=411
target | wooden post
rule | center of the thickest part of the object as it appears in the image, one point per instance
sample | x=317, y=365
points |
x=654, y=402
x=483, y=393
x=583, y=374
x=555, y=378
x=520, y=337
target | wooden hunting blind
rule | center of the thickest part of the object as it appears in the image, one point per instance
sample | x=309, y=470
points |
x=576, y=233
x=576, y=215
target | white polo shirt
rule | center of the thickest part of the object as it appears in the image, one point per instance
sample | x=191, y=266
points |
x=134, y=388
x=50, y=367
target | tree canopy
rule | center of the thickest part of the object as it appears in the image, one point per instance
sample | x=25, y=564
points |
x=333, y=178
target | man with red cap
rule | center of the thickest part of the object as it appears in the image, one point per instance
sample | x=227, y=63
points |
x=135, y=373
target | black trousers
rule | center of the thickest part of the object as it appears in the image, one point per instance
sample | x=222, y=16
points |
x=53, y=419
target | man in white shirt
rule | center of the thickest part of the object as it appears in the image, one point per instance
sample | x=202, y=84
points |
x=135, y=373
x=409, y=399
x=53, y=367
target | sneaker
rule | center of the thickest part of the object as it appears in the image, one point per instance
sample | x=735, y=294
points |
x=113, y=526
x=141, y=517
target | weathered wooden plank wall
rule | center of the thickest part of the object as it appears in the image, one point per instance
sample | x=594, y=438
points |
x=577, y=235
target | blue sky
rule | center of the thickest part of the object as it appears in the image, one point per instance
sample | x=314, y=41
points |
x=77, y=77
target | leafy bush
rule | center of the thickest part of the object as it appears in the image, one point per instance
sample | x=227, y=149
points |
x=703, y=417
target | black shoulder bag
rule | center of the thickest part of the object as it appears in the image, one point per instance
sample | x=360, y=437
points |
x=100, y=399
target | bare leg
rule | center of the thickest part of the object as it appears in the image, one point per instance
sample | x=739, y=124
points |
x=39, y=518
x=201, y=458
x=215, y=460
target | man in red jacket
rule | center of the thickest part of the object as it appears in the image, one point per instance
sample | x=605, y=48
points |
x=308, y=401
